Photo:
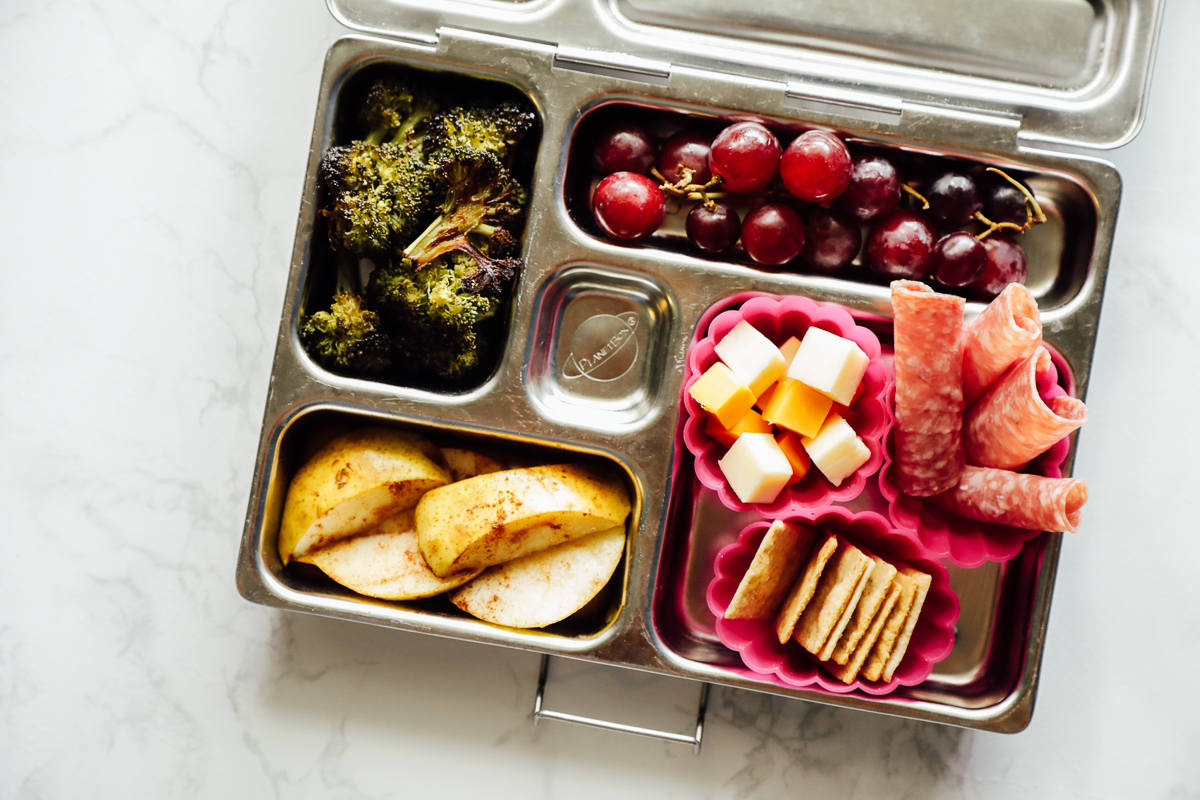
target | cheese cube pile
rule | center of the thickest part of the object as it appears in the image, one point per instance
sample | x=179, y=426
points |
x=794, y=387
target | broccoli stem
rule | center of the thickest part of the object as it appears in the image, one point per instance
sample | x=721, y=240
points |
x=375, y=137
x=408, y=125
x=347, y=275
x=425, y=237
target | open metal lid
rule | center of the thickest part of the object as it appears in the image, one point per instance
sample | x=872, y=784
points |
x=1072, y=72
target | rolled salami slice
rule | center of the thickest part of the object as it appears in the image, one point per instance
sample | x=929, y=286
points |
x=1007, y=331
x=929, y=402
x=1012, y=498
x=1011, y=424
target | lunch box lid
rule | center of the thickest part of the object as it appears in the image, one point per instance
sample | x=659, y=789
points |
x=1068, y=72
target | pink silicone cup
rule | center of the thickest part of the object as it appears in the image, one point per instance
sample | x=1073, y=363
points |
x=967, y=542
x=789, y=664
x=777, y=318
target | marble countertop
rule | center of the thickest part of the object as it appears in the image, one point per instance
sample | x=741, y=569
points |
x=152, y=156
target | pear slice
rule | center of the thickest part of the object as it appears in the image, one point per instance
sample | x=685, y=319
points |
x=463, y=464
x=489, y=519
x=353, y=483
x=537, y=590
x=385, y=562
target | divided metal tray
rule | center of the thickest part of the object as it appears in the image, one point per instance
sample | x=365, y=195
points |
x=547, y=397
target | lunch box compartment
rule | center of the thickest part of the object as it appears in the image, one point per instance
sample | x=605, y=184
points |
x=342, y=126
x=311, y=427
x=1059, y=251
x=599, y=347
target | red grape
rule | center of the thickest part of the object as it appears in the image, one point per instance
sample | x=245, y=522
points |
x=1005, y=264
x=900, y=246
x=628, y=206
x=874, y=188
x=815, y=166
x=746, y=156
x=831, y=240
x=714, y=230
x=624, y=147
x=773, y=234
x=957, y=259
x=953, y=198
x=686, y=149
x=1005, y=203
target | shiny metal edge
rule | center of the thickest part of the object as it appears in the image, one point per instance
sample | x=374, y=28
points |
x=1104, y=113
x=552, y=239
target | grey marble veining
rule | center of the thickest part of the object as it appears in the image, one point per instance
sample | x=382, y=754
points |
x=151, y=161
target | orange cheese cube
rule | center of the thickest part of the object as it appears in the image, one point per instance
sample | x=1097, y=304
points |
x=765, y=397
x=750, y=422
x=797, y=407
x=722, y=393
x=789, y=349
x=797, y=456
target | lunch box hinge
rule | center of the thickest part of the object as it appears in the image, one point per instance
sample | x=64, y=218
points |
x=475, y=37
x=846, y=102
x=991, y=130
x=615, y=65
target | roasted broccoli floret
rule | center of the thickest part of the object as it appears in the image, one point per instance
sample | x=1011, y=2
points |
x=436, y=320
x=482, y=201
x=494, y=129
x=393, y=108
x=347, y=337
x=378, y=195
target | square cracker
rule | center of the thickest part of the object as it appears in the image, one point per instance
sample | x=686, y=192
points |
x=778, y=561
x=841, y=584
x=882, y=650
x=923, y=583
x=802, y=591
x=849, y=671
x=874, y=593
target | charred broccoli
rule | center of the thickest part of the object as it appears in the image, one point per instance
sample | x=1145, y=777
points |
x=482, y=201
x=437, y=320
x=392, y=109
x=378, y=195
x=492, y=129
x=347, y=337
x=426, y=195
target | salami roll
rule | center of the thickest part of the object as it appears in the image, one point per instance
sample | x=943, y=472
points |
x=929, y=401
x=1012, y=498
x=1011, y=424
x=1007, y=331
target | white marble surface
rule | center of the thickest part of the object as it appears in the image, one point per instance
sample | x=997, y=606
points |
x=151, y=161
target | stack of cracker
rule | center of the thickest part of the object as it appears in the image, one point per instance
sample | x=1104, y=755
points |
x=854, y=611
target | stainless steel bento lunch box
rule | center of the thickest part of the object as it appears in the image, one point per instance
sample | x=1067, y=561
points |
x=1016, y=84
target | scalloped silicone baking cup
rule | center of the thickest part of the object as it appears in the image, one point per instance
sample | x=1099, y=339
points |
x=777, y=318
x=967, y=542
x=789, y=664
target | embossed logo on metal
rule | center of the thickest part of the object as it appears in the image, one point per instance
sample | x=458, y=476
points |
x=603, y=348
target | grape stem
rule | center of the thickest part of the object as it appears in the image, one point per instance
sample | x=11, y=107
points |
x=992, y=227
x=1033, y=211
x=685, y=188
x=916, y=194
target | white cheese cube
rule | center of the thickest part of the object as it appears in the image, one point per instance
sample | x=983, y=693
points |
x=756, y=468
x=752, y=357
x=830, y=364
x=836, y=450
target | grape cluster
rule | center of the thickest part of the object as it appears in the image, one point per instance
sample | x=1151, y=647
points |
x=815, y=205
